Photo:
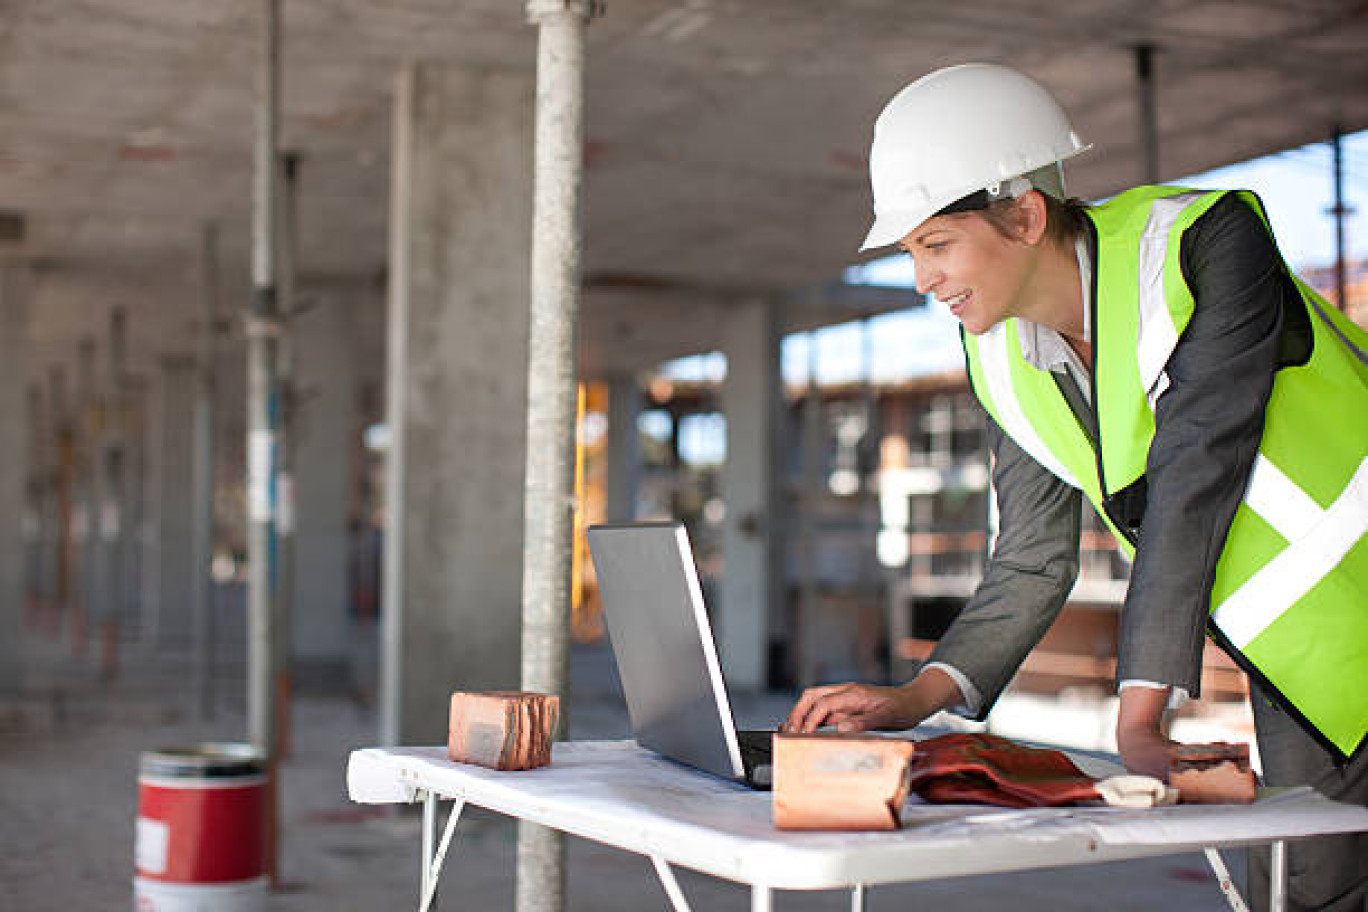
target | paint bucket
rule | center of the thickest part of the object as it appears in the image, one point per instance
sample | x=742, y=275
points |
x=201, y=829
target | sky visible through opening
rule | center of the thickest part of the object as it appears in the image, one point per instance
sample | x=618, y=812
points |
x=1296, y=186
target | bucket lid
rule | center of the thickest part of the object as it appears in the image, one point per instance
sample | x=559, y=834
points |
x=211, y=759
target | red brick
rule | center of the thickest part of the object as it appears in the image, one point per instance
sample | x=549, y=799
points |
x=504, y=730
x=828, y=781
x=1212, y=773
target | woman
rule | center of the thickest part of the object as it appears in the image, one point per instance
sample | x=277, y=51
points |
x=1155, y=355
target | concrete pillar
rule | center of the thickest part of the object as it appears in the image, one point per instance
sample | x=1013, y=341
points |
x=13, y=470
x=460, y=223
x=750, y=397
x=173, y=457
x=624, y=456
x=325, y=380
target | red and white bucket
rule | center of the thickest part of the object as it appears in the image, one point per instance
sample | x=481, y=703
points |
x=201, y=830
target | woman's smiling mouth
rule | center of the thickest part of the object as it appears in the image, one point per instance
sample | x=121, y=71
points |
x=956, y=303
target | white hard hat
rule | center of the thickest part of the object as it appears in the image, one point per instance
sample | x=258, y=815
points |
x=957, y=131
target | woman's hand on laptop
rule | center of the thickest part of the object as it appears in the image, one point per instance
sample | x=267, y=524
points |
x=863, y=707
x=855, y=707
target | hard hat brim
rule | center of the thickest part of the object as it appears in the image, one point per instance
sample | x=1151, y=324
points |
x=891, y=227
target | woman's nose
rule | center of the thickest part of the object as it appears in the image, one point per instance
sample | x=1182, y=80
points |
x=927, y=278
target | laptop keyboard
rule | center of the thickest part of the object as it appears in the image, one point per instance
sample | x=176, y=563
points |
x=757, y=757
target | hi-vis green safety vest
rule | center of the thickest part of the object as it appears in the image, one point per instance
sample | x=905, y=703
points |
x=1290, y=598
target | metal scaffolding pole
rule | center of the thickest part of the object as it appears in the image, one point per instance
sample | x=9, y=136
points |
x=287, y=442
x=548, y=505
x=1148, y=103
x=263, y=418
x=35, y=508
x=202, y=482
x=14, y=355
x=88, y=510
x=134, y=496
x=1339, y=211
x=59, y=608
x=113, y=516
x=810, y=501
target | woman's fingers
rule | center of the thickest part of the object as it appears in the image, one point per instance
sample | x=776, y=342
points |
x=847, y=707
x=810, y=710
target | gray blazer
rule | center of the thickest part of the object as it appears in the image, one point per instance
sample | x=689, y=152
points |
x=1248, y=321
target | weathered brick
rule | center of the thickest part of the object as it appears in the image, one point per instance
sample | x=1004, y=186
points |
x=827, y=781
x=504, y=730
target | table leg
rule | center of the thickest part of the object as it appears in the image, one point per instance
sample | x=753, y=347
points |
x=432, y=862
x=429, y=834
x=760, y=898
x=667, y=880
x=857, y=898
x=1277, y=876
x=1232, y=895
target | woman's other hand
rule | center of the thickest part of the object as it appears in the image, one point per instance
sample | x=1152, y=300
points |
x=1140, y=738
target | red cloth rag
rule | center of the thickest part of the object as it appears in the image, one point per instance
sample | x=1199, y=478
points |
x=987, y=769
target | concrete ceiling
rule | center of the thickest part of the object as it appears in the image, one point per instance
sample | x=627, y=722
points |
x=725, y=139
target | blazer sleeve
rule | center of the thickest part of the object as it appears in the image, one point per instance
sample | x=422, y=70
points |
x=1028, y=577
x=1208, y=425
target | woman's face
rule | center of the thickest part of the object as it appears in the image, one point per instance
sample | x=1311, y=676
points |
x=965, y=262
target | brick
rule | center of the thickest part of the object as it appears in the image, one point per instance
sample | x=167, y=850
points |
x=503, y=730
x=828, y=781
x=1216, y=773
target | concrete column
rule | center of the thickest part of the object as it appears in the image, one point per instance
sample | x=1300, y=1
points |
x=750, y=398
x=174, y=460
x=624, y=457
x=13, y=469
x=325, y=381
x=460, y=222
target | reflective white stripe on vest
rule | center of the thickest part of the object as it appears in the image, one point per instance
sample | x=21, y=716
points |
x=1279, y=502
x=1158, y=337
x=998, y=372
x=1318, y=541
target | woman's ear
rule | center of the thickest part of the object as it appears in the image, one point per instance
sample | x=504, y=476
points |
x=1032, y=217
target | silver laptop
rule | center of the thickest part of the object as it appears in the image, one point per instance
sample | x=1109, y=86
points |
x=666, y=658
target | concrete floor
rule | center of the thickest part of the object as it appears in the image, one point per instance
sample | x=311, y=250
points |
x=68, y=799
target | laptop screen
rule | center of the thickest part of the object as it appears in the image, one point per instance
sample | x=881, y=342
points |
x=663, y=643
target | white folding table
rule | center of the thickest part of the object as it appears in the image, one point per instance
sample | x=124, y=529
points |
x=618, y=794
